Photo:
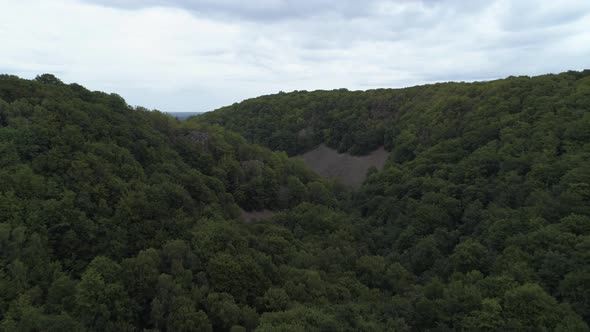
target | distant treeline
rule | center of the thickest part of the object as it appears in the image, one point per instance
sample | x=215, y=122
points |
x=183, y=115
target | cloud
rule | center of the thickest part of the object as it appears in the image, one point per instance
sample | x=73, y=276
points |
x=198, y=55
x=260, y=10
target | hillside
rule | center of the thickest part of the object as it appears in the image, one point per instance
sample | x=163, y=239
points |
x=486, y=188
x=115, y=218
x=402, y=120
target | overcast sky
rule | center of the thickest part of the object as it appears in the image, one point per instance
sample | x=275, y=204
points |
x=197, y=55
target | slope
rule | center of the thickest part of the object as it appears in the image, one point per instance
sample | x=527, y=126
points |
x=484, y=200
x=114, y=218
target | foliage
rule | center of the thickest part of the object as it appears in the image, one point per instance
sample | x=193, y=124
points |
x=115, y=218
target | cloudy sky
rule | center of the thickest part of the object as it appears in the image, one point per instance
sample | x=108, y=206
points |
x=197, y=55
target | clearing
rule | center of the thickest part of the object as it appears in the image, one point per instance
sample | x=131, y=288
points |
x=350, y=170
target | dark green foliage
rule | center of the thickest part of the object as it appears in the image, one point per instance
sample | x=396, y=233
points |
x=109, y=215
x=115, y=218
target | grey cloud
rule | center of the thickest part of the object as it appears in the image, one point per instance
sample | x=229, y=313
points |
x=281, y=10
x=534, y=15
x=260, y=10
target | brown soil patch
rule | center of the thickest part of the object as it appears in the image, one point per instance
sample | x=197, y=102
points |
x=350, y=170
x=252, y=216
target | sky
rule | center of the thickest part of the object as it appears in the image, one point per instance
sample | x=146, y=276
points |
x=198, y=55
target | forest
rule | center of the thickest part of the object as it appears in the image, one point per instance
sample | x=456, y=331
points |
x=120, y=218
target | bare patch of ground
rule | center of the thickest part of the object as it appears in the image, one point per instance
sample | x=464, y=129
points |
x=350, y=170
x=253, y=216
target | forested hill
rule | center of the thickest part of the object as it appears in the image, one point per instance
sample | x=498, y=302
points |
x=485, y=197
x=408, y=120
x=119, y=219
x=115, y=218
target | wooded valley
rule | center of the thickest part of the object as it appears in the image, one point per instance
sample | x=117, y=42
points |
x=118, y=218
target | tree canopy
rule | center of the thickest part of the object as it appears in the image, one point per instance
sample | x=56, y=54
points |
x=117, y=218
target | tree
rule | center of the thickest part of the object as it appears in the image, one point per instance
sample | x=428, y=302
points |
x=183, y=317
x=223, y=310
x=470, y=255
x=529, y=308
x=275, y=299
x=575, y=288
x=91, y=302
x=48, y=79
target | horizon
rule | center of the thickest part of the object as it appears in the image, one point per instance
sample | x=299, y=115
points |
x=200, y=55
x=304, y=90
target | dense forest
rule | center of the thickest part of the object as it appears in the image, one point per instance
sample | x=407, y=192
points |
x=117, y=218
